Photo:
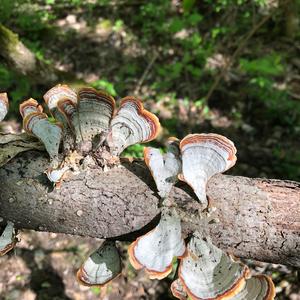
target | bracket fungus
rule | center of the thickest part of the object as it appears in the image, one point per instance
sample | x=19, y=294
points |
x=156, y=250
x=3, y=105
x=164, y=167
x=29, y=106
x=178, y=290
x=57, y=93
x=101, y=267
x=260, y=287
x=94, y=112
x=92, y=133
x=132, y=124
x=50, y=134
x=204, y=155
x=7, y=239
x=207, y=272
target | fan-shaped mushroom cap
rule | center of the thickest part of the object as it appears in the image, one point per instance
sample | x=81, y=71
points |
x=68, y=109
x=58, y=92
x=156, y=249
x=178, y=290
x=209, y=273
x=7, y=239
x=94, y=112
x=258, y=287
x=132, y=124
x=29, y=106
x=204, y=155
x=49, y=133
x=3, y=105
x=101, y=267
x=164, y=167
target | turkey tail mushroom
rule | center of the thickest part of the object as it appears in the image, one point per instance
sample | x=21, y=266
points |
x=52, y=98
x=101, y=267
x=207, y=272
x=260, y=287
x=3, y=105
x=164, y=167
x=57, y=93
x=49, y=133
x=132, y=124
x=204, y=155
x=178, y=290
x=7, y=239
x=94, y=112
x=156, y=250
x=29, y=106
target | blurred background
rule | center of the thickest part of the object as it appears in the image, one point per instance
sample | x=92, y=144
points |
x=223, y=66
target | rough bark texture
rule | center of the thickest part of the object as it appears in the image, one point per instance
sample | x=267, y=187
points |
x=23, y=61
x=259, y=218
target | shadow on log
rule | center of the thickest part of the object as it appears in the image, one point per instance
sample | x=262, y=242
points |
x=259, y=218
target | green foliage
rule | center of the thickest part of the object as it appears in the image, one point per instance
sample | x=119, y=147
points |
x=270, y=65
x=134, y=151
x=105, y=85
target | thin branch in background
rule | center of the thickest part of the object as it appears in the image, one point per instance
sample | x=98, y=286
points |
x=235, y=55
x=145, y=74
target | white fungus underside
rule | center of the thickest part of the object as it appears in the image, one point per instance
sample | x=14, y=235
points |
x=157, y=249
x=3, y=110
x=50, y=134
x=102, y=266
x=199, y=163
x=208, y=272
x=165, y=169
x=7, y=236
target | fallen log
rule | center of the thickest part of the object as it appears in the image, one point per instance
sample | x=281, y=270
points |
x=258, y=218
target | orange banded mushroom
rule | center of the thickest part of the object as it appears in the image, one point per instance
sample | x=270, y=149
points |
x=207, y=272
x=3, y=105
x=94, y=112
x=101, y=267
x=258, y=287
x=58, y=92
x=50, y=134
x=178, y=290
x=29, y=106
x=132, y=124
x=7, y=239
x=156, y=250
x=164, y=167
x=204, y=155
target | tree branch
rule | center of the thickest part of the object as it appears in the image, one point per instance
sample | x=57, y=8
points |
x=259, y=218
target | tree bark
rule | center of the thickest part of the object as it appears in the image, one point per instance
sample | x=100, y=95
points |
x=258, y=218
x=23, y=61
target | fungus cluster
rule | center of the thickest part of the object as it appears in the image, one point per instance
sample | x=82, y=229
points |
x=85, y=126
